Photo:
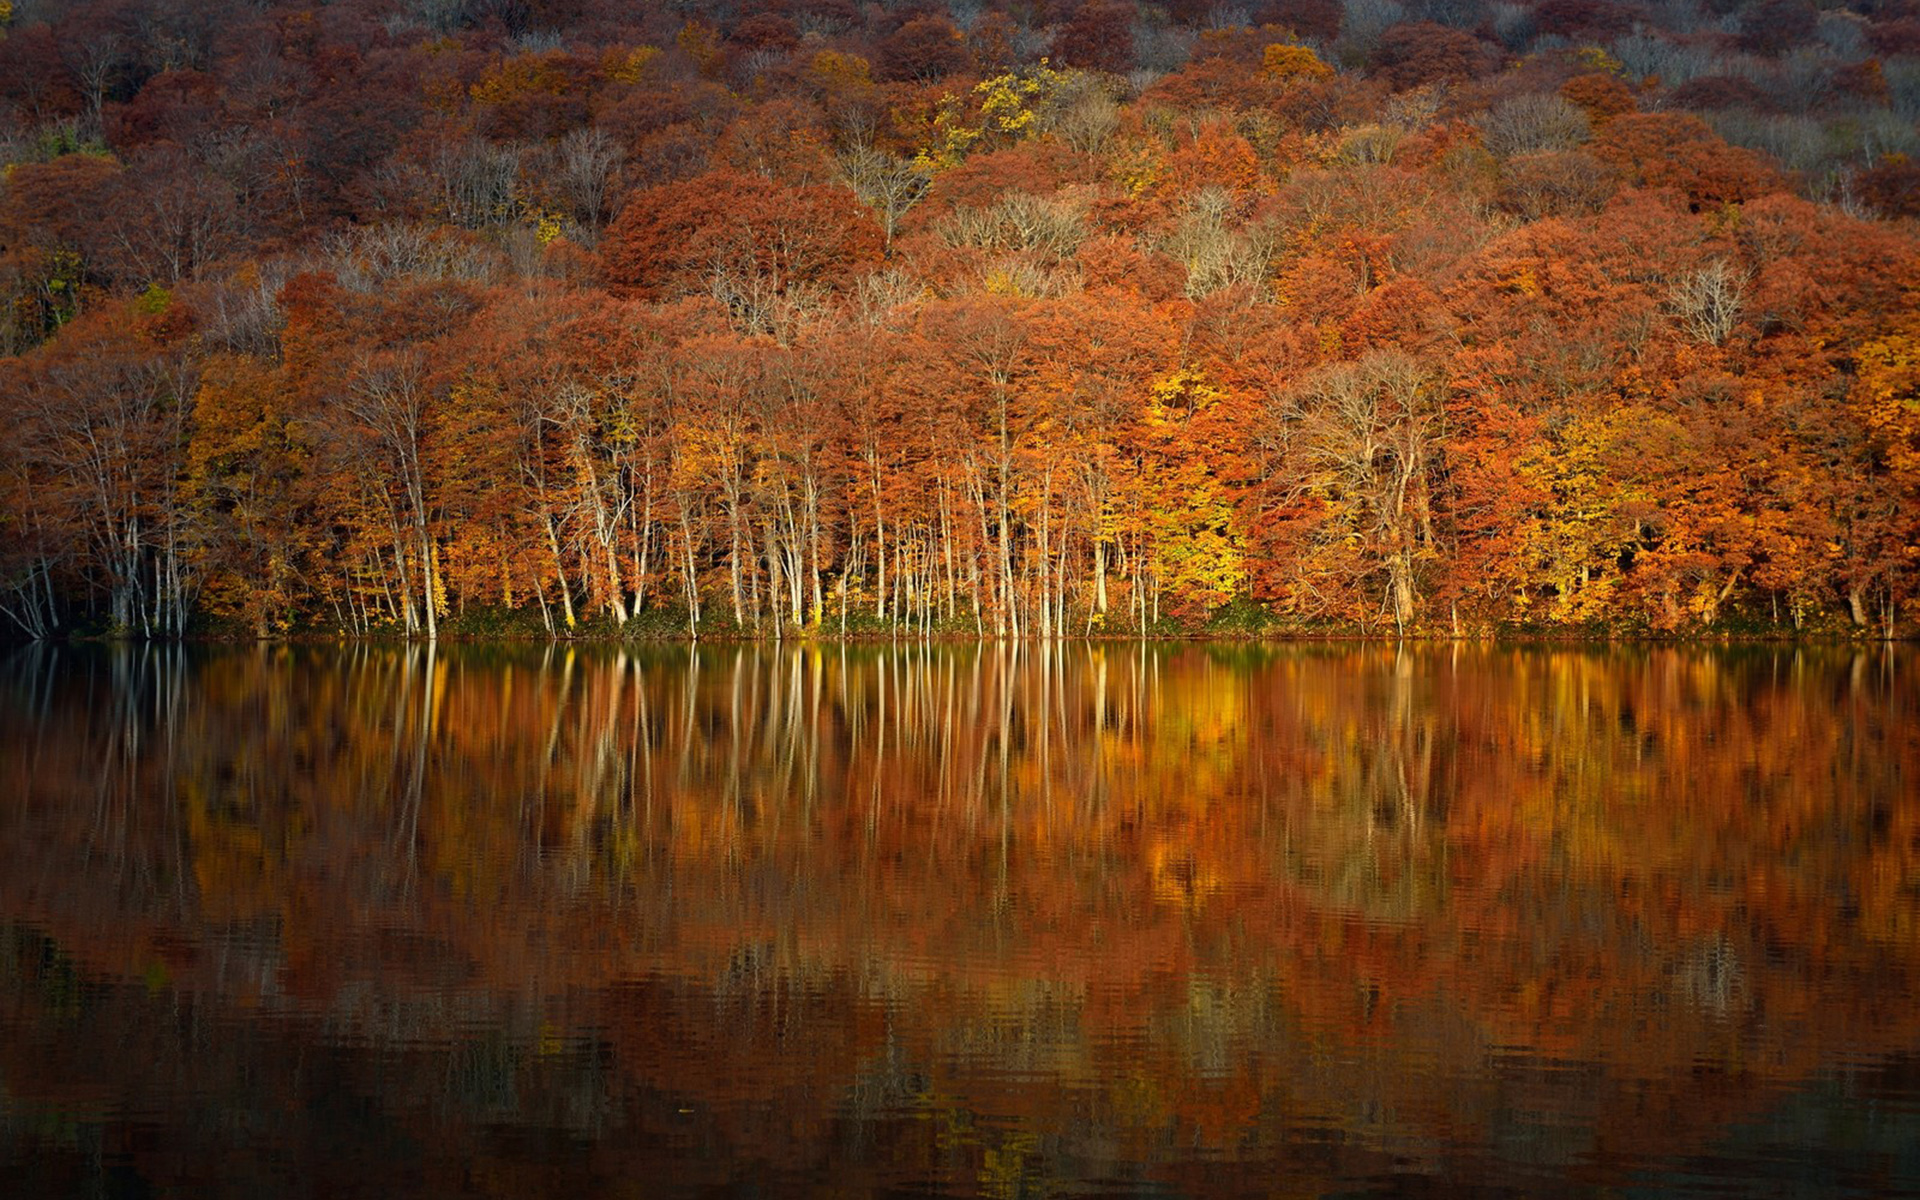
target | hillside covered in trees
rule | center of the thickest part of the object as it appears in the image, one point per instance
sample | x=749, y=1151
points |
x=1025, y=318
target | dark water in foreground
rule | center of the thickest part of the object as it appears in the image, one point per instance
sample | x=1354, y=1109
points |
x=978, y=921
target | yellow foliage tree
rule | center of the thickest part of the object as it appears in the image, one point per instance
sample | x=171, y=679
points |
x=628, y=66
x=1197, y=545
x=1002, y=110
x=1284, y=63
x=1886, y=394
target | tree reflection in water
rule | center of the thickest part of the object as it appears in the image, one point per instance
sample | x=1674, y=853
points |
x=996, y=919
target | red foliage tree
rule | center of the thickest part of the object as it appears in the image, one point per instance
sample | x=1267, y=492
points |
x=174, y=106
x=763, y=31
x=1679, y=151
x=1898, y=37
x=1714, y=93
x=680, y=238
x=1602, y=97
x=55, y=206
x=644, y=112
x=1097, y=37
x=1772, y=27
x=1891, y=188
x=1591, y=20
x=1307, y=18
x=32, y=76
x=1418, y=52
x=923, y=50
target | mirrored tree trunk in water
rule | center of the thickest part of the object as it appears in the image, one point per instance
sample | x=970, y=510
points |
x=984, y=920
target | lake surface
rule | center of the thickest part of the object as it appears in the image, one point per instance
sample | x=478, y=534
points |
x=1173, y=920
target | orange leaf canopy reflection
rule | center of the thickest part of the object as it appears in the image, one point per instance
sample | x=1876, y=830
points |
x=992, y=920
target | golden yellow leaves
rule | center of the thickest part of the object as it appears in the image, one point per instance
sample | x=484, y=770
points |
x=628, y=66
x=999, y=110
x=1284, y=63
x=1887, y=395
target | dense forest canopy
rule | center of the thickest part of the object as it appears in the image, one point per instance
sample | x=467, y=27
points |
x=1023, y=318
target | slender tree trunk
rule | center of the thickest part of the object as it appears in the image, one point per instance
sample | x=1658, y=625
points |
x=816, y=549
x=946, y=543
x=690, y=573
x=642, y=538
x=559, y=568
x=879, y=541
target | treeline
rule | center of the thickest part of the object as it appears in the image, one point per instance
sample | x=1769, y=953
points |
x=1026, y=319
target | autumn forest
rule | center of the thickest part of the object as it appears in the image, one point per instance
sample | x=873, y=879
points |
x=1032, y=318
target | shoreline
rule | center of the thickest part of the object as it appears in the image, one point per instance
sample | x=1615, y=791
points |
x=1503, y=638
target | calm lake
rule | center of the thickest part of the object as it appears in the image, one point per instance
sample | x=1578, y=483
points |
x=1038, y=921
